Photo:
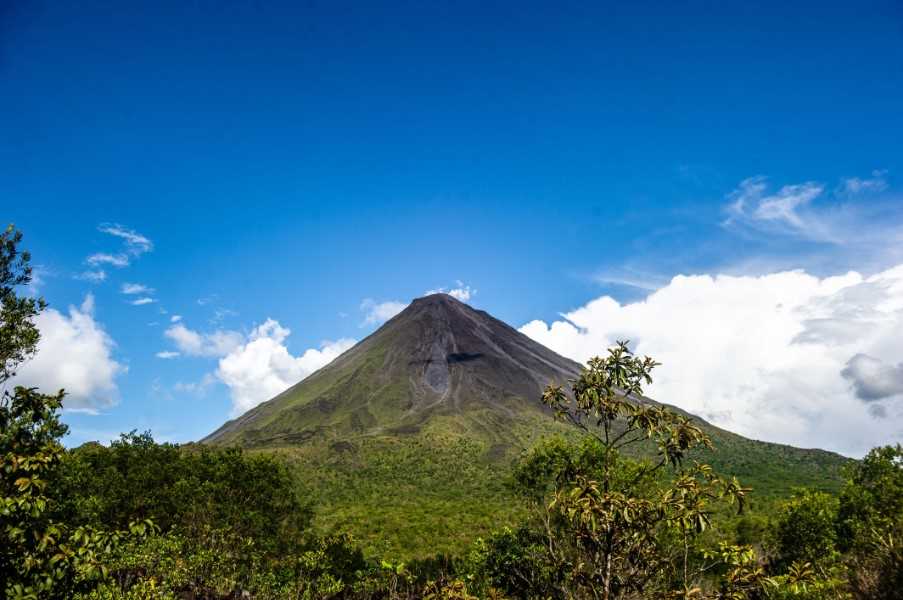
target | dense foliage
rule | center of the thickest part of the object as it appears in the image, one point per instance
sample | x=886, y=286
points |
x=140, y=520
x=194, y=491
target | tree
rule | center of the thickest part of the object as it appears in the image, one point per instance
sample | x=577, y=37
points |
x=805, y=529
x=619, y=528
x=872, y=497
x=18, y=333
x=870, y=524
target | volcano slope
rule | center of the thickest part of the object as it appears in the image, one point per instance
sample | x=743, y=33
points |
x=407, y=439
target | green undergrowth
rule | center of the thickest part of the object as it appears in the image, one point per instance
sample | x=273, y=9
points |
x=436, y=491
x=411, y=496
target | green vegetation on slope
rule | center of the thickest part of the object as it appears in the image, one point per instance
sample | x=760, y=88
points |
x=412, y=496
x=436, y=491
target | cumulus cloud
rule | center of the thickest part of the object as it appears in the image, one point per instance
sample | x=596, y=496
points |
x=136, y=288
x=75, y=354
x=175, y=318
x=786, y=357
x=262, y=366
x=376, y=313
x=461, y=292
x=142, y=301
x=194, y=343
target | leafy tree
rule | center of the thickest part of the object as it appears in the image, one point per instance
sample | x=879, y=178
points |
x=870, y=524
x=619, y=528
x=805, y=529
x=515, y=561
x=872, y=497
x=18, y=333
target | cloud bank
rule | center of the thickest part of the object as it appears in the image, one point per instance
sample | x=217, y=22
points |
x=786, y=357
x=262, y=366
x=74, y=354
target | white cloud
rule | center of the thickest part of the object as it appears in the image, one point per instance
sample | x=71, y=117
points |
x=175, y=318
x=136, y=288
x=193, y=343
x=854, y=185
x=786, y=357
x=377, y=313
x=785, y=211
x=783, y=206
x=848, y=226
x=93, y=276
x=262, y=367
x=462, y=292
x=142, y=301
x=167, y=354
x=136, y=244
x=102, y=258
x=74, y=354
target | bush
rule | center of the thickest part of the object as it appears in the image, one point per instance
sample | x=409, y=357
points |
x=805, y=529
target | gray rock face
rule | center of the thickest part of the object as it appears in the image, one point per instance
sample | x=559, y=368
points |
x=458, y=355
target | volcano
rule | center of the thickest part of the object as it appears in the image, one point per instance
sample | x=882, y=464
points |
x=409, y=436
x=439, y=357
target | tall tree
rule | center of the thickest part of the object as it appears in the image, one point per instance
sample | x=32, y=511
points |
x=18, y=334
x=624, y=529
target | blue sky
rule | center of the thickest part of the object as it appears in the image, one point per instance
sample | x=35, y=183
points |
x=291, y=162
